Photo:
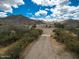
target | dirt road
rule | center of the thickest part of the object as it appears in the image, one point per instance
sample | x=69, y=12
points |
x=47, y=48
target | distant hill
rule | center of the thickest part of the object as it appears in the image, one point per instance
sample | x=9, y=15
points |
x=71, y=23
x=18, y=20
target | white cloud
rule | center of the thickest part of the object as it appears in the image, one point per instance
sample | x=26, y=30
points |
x=3, y=14
x=50, y=2
x=41, y=13
x=6, y=5
x=65, y=12
x=47, y=9
x=62, y=10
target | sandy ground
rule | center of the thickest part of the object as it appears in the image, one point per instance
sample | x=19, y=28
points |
x=47, y=48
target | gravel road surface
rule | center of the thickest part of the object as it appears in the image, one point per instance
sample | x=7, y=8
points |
x=47, y=48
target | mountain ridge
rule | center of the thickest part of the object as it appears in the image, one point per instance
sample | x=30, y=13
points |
x=18, y=20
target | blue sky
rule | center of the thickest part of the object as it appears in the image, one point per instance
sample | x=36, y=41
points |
x=29, y=9
x=41, y=9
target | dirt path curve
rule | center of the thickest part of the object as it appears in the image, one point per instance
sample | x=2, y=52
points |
x=45, y=48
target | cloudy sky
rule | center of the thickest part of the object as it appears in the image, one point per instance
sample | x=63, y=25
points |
x=41, y=9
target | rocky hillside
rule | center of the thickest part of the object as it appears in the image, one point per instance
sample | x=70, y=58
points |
x=71, y=23
x=17, y=20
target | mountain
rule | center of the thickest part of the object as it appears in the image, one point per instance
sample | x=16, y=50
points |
x=17, y=20
x=70, y=23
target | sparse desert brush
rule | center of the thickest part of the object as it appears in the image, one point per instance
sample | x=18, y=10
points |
x=18, y=40
x=68, y=39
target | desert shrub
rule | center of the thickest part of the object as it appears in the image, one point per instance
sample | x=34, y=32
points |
x=58, y=25
x=15, y=50
x=7, y=37
x=19, y=45
x=32, y=35
x=71, y=42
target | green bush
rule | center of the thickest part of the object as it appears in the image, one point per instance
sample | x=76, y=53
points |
x=7, y=37
x=71, y=42
x=58, y=25
x=19, y=45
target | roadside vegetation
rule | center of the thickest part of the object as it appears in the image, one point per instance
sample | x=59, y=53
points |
x=14, y=39
x=68, y=36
